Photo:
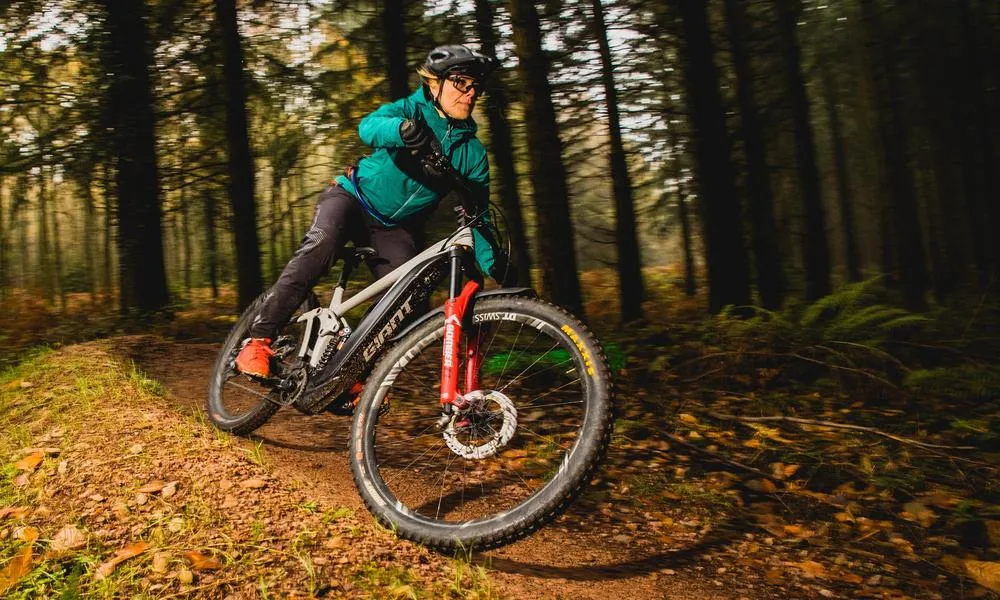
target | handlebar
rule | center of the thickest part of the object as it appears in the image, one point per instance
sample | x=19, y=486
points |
x=436, y=162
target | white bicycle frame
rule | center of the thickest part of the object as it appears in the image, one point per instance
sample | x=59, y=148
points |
x=330, y=320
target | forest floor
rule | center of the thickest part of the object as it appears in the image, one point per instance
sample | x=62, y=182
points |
x=113, y=484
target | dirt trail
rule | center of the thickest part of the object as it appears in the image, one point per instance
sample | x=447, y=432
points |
x=584, y=554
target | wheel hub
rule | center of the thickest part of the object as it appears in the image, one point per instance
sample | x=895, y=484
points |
x=485, y=426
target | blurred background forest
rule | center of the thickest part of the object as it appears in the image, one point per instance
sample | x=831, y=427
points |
x=155, y=155
x=780, y=216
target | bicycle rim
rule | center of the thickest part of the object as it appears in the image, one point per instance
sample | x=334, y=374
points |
x=536, y=426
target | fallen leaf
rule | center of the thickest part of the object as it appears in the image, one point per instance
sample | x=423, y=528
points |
x=185, y=576
x=200, y=562
x=175, y=524
x=986, y=573
x=514, y=453
x=687, y=418
x=152, y=487
x=141, y=498
x=30, y=462
x=27, y=384
x=63, y=466
x=14, y=512
x=20, y=565
x=917, y=512
x=765, y=486
x=68, y=538
x=169, y=490
x=45, y=450
x=161, y=562
x=849, y=577
x=253, y=483
x=108, y=566
x=27, y=534
x=902, y=543
x=844, y=517
x=22, y=480
x=799, y=531
x=771, y=433
x=993, y=533
x=810, y=568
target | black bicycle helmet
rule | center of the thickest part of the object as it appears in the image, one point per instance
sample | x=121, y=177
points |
x=458, y=59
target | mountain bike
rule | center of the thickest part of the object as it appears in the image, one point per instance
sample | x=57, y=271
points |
x=479, y=421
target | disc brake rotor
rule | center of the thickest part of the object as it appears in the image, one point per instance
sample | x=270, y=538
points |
x=482, y=429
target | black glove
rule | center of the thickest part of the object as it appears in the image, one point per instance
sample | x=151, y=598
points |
x=416, y=134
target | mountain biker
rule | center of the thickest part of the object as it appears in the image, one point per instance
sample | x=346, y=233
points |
x=384, y=200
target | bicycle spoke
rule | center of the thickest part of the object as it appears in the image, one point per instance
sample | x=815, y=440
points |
x=528, y=368
x=246, y=389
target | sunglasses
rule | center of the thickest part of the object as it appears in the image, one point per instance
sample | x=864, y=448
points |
x=463, y=84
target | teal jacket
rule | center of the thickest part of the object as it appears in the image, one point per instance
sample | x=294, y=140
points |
x=397, y=196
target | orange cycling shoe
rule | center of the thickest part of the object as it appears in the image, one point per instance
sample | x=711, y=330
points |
x=255, y=358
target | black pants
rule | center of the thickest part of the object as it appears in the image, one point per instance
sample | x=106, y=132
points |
x=339, y=218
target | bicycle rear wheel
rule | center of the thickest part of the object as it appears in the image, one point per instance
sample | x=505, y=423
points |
x=239, y=403
x=531, y=438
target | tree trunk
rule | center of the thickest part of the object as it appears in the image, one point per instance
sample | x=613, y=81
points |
x=108, y=234
x=852, y=259
x=57, y=271
x=4, y=283
x=501, y=142
x=728, y=276
x=44, y=262
x=142, y=274
x=767, y=257
x=89, y=232
x=979, y=158
x=554, y=227
x=816, y=250
x=394, y=32
x=274, y=228
x=186, y=239
x=211, y=243
x=631, y=289
x=906, y=227
x=23, y=241
x=241, y=170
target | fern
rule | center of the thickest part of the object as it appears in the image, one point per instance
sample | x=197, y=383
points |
x=965, y=381
x=866, y=323
x=829, y=307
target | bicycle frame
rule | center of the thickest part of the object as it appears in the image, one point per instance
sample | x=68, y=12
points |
x=406, y=287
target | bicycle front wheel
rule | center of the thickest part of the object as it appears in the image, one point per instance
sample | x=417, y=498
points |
x=529, y=440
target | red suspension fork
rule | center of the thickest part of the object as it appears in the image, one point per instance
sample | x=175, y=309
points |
x=454, y=311
x=473, y=357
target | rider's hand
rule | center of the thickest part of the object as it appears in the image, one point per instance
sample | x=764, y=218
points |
x=416, y=134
